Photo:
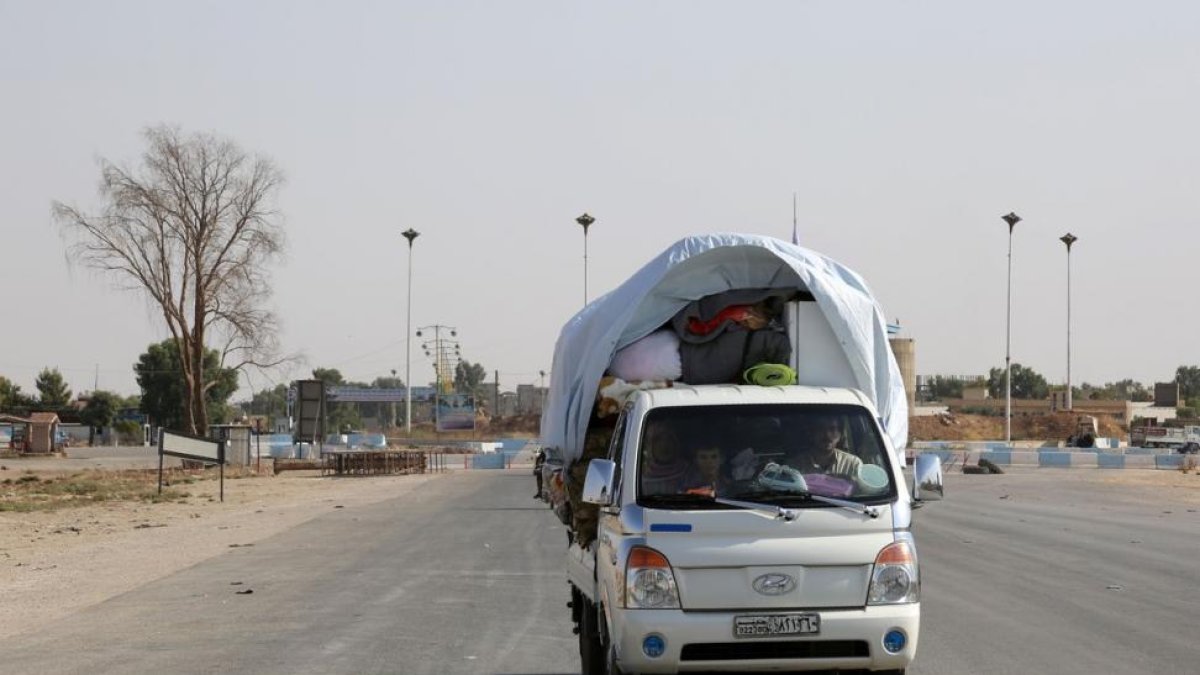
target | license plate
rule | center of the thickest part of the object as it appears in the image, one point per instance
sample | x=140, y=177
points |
x=764, y=625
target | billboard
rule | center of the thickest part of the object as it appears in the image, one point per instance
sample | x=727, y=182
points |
x=455, y=412
x=373, y=395
x=309, y=411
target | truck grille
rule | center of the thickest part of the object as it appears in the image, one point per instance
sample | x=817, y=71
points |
x=791, y=649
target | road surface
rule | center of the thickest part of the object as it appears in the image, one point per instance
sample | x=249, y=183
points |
x=1039, y=572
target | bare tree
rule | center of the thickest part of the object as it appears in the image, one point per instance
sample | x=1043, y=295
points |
x=193, y=228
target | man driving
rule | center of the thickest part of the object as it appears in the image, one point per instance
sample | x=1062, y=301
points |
x=818, y=451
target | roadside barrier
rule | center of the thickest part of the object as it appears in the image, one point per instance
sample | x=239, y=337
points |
x=1124, y=458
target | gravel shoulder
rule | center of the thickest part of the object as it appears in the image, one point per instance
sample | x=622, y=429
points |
x=55, y=563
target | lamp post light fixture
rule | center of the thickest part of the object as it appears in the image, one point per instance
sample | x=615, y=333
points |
x=409, y=234
x=1012, y=219
x=585, y=220
x=1068, y=239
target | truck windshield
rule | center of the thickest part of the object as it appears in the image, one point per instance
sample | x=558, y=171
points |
x=776, y=454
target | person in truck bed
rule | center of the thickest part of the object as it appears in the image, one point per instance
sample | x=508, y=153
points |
x=706, y=476
x=666, y=469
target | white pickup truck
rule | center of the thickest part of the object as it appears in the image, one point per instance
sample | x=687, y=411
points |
x=1183, y=439
x=742, y=527
x=758, y=573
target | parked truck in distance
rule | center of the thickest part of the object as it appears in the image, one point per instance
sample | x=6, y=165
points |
x=1184, y=439
x=738, y=518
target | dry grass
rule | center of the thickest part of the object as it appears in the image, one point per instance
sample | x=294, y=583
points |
x=1188, y=465
x=48, y=491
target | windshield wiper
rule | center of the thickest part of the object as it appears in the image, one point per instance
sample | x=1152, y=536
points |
x=790, y=514
x=773, y=510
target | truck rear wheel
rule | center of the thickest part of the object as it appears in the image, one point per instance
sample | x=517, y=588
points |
x=592, y=655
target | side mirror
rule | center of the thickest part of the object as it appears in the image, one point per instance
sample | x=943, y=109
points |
x=927, y=479
x=597, y=487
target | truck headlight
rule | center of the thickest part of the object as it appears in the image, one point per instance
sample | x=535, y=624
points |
x=649, y=581
x=894, y=579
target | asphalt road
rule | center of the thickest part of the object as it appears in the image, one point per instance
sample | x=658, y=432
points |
x=1039, y=572
x=1044, y=571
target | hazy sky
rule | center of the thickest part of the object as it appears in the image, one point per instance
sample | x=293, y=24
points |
x=905, y=128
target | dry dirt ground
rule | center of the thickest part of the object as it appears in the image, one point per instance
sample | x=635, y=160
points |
x=962, y=427
x=53, y=563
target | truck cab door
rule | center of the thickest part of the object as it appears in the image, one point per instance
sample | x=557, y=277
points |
x=608, y=532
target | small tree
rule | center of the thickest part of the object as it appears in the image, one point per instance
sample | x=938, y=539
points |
x=468, y=379
x=9, y=393
x=99, y=412
x=268, y=401
x=1188, y=378
x=1026, y=383
x=53, y=389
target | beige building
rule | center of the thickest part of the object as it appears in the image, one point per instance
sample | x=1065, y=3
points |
x=43, y=429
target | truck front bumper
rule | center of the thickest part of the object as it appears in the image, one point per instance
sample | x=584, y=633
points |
x=704, y=641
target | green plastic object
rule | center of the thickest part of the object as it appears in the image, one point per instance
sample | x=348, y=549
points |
x=769, y=375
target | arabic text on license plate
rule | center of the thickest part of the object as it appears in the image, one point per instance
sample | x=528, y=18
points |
x=758, y=625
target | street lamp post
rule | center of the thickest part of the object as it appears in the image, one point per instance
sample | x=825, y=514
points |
x=409, y=234
x=585, y=220
x=1012, y=219
x=1068, y=239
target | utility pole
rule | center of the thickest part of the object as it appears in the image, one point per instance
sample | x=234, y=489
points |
x=441, y=360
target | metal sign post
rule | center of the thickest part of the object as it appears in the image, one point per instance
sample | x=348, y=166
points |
x=190, y=447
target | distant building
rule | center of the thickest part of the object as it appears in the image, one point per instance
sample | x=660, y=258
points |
x=530, y=399
x=507, y=404
x=43, y=430
x=976, y=394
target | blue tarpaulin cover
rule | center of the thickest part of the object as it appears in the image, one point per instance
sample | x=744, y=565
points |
x=703, y=265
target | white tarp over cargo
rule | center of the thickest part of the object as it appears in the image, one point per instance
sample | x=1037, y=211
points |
x=703, y=265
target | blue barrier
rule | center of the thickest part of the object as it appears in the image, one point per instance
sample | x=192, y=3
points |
x=494, y=461
x=512, y=445
x=1054, y=458
x=1106, y=460
x=944, y=455
x=1168, y=461
x=1149, y=451
x=1001, y=457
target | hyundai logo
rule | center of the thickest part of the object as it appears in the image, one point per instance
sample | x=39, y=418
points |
x=774, y=584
